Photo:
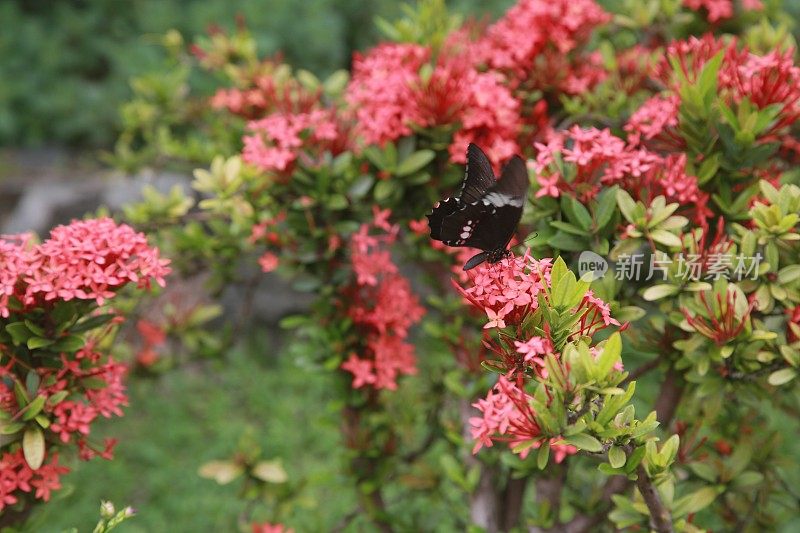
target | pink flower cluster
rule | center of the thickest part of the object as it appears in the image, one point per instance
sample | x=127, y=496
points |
x=383, y=90
x=86, y=260
x=507, y=416
x=717, y=10
x=269, y=232
x=597, y=159
x=655, y=123
x=531, y=43
x=84, y=387
x=17, y=477
x=507, y=291
x=771, y=79
x=382, y=307
x=277, y=141
x=266, y=93
x=391, y=96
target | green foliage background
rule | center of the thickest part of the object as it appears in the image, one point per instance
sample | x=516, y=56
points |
x=65, y=65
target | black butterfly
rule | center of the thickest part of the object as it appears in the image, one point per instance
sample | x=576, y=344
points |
x=486, y=213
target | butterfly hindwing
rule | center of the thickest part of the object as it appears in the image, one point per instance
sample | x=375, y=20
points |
x=459, y=228
x=440, y=212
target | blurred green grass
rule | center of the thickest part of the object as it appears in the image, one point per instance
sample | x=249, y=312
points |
x=178, y=421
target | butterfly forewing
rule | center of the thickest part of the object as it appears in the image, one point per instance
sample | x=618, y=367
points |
x=479, y=176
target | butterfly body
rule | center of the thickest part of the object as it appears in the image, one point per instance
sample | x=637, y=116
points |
x=487, y=211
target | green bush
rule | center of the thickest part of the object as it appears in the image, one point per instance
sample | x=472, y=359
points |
x=65, y=65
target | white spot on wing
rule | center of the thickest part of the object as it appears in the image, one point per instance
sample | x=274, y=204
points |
x=501, y=200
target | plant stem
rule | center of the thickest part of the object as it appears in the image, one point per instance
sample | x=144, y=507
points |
x=666, y=404
x=511, y=505
x=661, y=520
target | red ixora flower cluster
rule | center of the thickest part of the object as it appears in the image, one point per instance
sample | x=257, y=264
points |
x=86, y=260
x=382, y=306
x=771, y=79
x=507, y=416
x=277, y=141
x=508, y=291
x=16, y=477
x=717, y=10
x=391, y=96
x=532, y=42
x=594, y=159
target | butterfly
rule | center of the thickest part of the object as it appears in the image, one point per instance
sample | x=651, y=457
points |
x=486, y=212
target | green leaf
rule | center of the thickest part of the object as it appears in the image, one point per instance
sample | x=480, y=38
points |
x=57, y=398
x=37, y=330
x=385, y=189
x=585, y=442
x=33, y=447
x=336, y=82
x=32, y=382
x=34, y=408
x=223, y=472
x=694, y=502
x=612, y=350
x=669, y=450
x=19, y=332
x=748, y=479
x=69, y=344
x=616, y=457
x=626, y=205
x=656, y=292
x=606, y=206
x=92, y=322
x=337, y=202
x=543, y=455
x=43, y=421
x=666, y=238
x=569, y=228
x=10, y=428
x=558, y=271
x=784, y=375
x=565, y=241
x=704, y=471
x=360, y=186
x=38, y=342
x=271, y=472
x=634, y=459
x=415, y=162
x=577, y=212
x=788, y=274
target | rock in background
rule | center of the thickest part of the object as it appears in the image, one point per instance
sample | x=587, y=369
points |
x=42, y=188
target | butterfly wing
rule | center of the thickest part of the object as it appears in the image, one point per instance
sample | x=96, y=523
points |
x=442, y=211
x=458, y=227
x=479, y=175
x=487, y=212
x=502, y=208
